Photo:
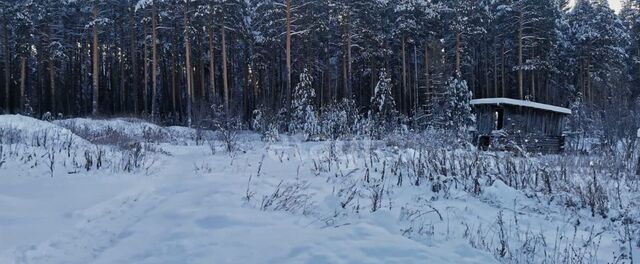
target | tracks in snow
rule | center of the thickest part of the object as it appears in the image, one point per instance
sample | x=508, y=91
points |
x=100, y=228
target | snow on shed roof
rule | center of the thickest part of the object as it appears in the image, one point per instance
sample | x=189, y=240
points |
x=509, y=101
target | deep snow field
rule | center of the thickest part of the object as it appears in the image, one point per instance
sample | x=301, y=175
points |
x=125, y=191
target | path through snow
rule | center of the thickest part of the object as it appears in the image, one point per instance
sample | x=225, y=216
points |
x=182, y=215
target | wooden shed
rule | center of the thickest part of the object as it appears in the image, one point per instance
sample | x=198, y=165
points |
x=505, y=123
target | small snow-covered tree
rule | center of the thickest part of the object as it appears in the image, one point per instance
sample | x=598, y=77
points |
x=582, y=123
x=383, y=107
x=457, y=114
x=579, y=116
x=303, y=115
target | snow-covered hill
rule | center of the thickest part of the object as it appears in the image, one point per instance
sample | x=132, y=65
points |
x=286, y=202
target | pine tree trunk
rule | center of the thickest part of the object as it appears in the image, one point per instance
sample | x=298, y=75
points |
x=246, y=92
x=277, y=71
x=203, y=79
x=503, y=73
x=485, y=65
x=372, y=81
x=326, y=82
x=520, y=59
x=589, y=91
x=288, y=47
x=349, y=88
x=225, y=82
x=495, y=74
x=145, y=89
x=40, y=85
x=52, y=85
x=84, y=65
x=122, y=65
x=23, y=82
x=415, y=82
x=134, y=61
x=458, y=53
x=174, y=62
x=581, y=82
x=255, y=85
x=427, y=67
x=212, y=65
x=174, y=74
x=7, y=67
x=187, y=45
x=533, y=83
x=345, y=83
x=404, y=77
x=51, y=73
x=154, y=61
x=96, y=66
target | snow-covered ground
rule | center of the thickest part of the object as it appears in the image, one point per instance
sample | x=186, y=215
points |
x=186, y=200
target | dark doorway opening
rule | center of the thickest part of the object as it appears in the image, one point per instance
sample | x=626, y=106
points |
x=499, y=117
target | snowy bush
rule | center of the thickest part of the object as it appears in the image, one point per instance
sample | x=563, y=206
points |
x=109, y=136
x=120, y=132
x=265, y=124
x=154, y=135
x=134, y=157
x=10, y=135
x=271, y=134
x=47, y=116
x=339, y=120
x=228, y=135
x=258, y=120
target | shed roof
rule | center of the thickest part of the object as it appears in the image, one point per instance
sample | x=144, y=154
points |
x=509, y=101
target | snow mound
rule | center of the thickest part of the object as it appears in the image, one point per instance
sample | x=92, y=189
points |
x=125, y=130
x=130, y=126
x=32, y=147
x=29, y=129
